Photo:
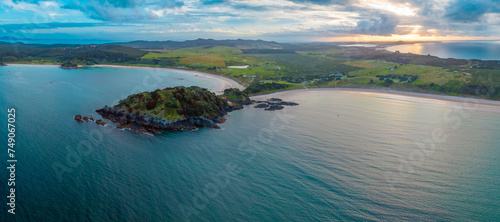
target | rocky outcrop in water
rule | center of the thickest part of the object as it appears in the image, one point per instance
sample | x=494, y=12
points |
x=150, y=124
x=69, y=65
x=274, y=107
x=80, y=119
x=273, y=104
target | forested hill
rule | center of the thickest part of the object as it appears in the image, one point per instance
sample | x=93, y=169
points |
x=240, y=43
x=14, y=52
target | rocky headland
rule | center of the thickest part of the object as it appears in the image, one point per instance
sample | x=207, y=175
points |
x=178, y=108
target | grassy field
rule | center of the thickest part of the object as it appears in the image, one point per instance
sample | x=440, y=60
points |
x=274, y=67
x=427, y=74
x=315, y=69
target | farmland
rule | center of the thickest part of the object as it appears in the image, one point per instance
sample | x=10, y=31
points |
x=271, y=66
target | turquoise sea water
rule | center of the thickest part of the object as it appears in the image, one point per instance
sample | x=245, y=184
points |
x=339, y=155
x=486, y=50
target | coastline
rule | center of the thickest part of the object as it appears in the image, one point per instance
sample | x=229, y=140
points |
x=226, y=82
x=229, y=83
x=461, y=102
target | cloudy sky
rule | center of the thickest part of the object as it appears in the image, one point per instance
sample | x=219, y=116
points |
x=279, y=20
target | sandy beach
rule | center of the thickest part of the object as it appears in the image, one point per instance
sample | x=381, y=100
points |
x=453, y=101
x=466, y=102
x=226, y=82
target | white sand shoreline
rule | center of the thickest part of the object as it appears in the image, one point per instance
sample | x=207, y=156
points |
x=226, y=82
x=466, y=102
x=229, y=83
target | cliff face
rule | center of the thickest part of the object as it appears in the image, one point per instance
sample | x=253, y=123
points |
x=178, y=108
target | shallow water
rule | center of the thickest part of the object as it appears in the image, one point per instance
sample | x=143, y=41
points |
x=339, y=155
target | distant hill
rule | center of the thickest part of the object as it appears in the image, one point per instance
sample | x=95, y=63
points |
x=67, y=52
x=10, y=38
x=240, y=43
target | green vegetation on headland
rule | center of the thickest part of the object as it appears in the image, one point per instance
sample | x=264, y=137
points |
x=236, y=96
x=176, y=108
x=265, y=67
x=174, y=103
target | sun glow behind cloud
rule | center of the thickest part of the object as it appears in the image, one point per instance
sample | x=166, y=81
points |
x=407, y=38
x=399, y=9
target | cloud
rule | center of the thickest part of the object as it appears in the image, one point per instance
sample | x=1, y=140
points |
x=212, y=2
x=466, y=11
x=51, y=25
x=324, y=2
x=286, y=19
x=119, y=11
x=35, y=6
x=382, y=24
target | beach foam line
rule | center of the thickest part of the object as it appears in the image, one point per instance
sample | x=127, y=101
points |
x=227, y=82
x=452, y=101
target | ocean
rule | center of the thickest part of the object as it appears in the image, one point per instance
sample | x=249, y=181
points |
x=485, y=50
x=339, y=155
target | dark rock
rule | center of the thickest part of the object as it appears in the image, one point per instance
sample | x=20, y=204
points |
x=68, y=65
x=100, y=122
x=78, y=118
x=274, y=107
x=288, y=103
x=262, y=105
x=149, y=124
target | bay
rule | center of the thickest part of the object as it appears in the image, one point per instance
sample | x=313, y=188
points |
x=339, y=155
x=485, y=50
